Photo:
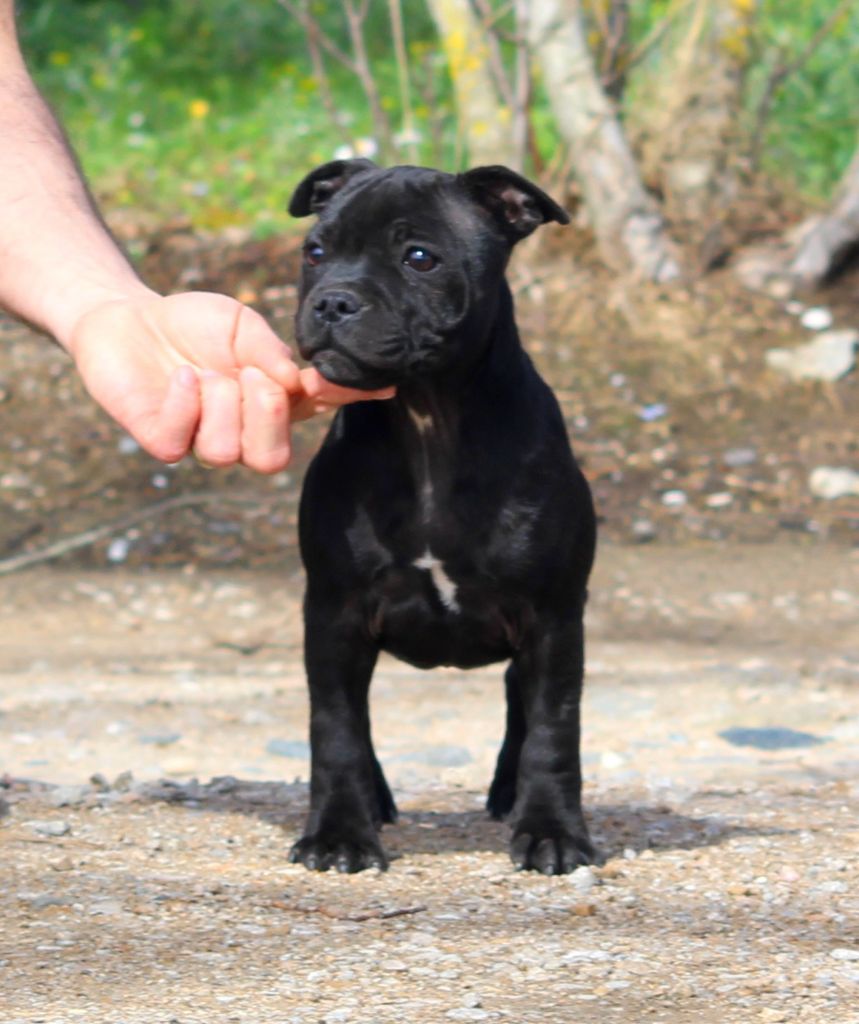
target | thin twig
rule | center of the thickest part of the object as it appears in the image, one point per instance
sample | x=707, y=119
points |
x=308, y=23
x=97, y=533
x=337, y=915
x=784, y=70
x=317, y=61
x=653, y=38
x=521, y=105
x=397, y=32
x=355, y=17
x=496, y=61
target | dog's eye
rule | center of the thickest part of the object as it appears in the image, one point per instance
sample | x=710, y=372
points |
x=420, y=259
x=313, y=255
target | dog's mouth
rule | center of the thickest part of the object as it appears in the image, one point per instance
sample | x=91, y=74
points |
x=341, y=368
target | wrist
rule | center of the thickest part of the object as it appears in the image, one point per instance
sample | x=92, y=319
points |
x=65, y=312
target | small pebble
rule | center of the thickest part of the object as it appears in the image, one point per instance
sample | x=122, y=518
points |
x=68, y=796
x=831, y=482
x=674, y=499
x=843, y=953
x=117, y=550
x=584, y=879
x=737, y=457
x=817, y=318
x=127, y=445
x=719, y=500
x=50, y=828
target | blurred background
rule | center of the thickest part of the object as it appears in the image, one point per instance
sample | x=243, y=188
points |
x=698, y=319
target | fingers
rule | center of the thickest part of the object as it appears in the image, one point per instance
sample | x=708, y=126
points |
x=256, y=344
x=165, y=431
x=265, y=422
x=218, y=438
x=320, y=395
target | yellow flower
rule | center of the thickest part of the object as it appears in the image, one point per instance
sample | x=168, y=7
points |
x=198, y=109
x=136, y=34
x=60, y=59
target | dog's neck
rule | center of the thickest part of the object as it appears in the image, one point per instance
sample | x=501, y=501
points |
x=430, y=414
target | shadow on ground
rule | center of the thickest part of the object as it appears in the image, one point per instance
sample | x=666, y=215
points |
x=614, y=827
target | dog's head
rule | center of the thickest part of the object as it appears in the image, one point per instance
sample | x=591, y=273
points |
x=402, y=269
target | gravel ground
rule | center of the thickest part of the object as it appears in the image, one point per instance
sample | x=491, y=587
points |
x=721, y=727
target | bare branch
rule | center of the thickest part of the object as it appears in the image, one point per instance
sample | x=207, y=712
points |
x=81, y=540
x=317, y=60
x=496, y=62
x=398, y=34
x=309, y=24
x=355, y=17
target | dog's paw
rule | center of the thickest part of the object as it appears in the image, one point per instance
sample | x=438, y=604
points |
x=317, y=853
x=557, y=853
x=502, y=796
x=386, y=809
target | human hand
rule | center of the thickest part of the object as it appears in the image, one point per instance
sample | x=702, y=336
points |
x=200, y=370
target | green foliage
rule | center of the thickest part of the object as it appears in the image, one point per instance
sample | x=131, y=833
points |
x=209, y=107
x=813, y=128
x=203, y=107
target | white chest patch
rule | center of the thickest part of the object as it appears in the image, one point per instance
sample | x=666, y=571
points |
x=443, y=583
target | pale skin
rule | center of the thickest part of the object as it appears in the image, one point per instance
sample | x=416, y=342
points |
x=192, y=372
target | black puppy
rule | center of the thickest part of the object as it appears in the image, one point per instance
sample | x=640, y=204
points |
x=449, y=525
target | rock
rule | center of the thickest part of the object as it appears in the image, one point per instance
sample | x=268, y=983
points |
x=159, y=739
x=644, y=530
x=584, y=879
x=652, y=412
x=50, y=828
x=68, y=796
x=829, y=357
x=817, y=318
x=127, y=445
x=117, y=550
x=832, y=482
x=674, y=499
x=843, y=953
x=736, y=457
x=719, y=500
x=45, y=900
x=288, y=748
x=123, y=782
x=774, y=738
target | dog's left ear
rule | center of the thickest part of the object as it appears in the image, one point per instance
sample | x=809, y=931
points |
x=319, y=187
x=516, y=203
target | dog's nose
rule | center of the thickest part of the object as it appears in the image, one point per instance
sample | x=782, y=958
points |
x=332, y=307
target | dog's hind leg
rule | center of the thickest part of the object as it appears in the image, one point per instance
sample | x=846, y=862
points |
x=549, y=830
x=502, y=792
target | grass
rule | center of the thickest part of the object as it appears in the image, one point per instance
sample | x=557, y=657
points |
x=208, y=108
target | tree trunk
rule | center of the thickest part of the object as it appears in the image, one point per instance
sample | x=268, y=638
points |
x=484, y=122
x=827, y=239
x=686, y=121
x=626, y=220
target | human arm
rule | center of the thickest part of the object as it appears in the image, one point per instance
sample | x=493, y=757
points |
x=193, y=370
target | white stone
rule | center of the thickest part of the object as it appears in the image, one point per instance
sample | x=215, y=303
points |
x=829, y=356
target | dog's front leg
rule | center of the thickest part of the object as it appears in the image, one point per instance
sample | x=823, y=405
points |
x=549, y=830
x=349, y=797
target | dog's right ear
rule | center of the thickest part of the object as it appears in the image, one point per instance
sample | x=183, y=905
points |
x=319, y=187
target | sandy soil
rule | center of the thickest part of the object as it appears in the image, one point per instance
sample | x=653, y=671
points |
x=729, y=892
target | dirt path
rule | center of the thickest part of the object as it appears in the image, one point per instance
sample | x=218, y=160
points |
x=730, y=889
